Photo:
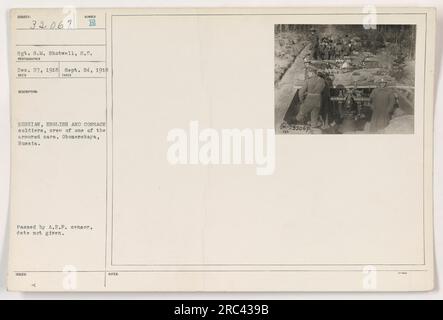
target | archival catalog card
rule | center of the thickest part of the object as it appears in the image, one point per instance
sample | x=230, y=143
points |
x=235, y=149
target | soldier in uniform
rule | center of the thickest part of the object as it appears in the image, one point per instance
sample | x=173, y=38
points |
x=347, y=46
x=315, y=45
x=338, y=50
x=331, y=50
x=326, y=111
x=322, y=49
x=311, y=98
x=326, y=50
x=382, y=100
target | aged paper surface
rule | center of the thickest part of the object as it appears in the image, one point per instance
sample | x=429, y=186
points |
x=277, y=149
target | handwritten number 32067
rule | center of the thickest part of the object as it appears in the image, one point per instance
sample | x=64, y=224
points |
x=52, y=26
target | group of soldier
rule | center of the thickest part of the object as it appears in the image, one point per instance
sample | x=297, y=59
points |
x=314, y=97
x=315, y=103
x=328, y=49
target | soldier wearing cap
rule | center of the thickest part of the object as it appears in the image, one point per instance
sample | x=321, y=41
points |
x=331, y=50
x=311, y=97
x=347, y=46
x=327, y=109
x=315, y=45
x=382, y=100
x=338, y=49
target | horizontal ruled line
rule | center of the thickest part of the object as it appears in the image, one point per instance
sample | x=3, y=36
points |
x=58, y=78
x=31, y=61
x=221, y=271
x=190, y=14
x=60, y=45
x=67, y=29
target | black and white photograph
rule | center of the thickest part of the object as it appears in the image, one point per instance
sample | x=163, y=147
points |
x=344, y=79
x=165, y=151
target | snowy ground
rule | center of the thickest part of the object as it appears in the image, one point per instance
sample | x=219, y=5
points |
x=287, y=47
x=286, y=88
